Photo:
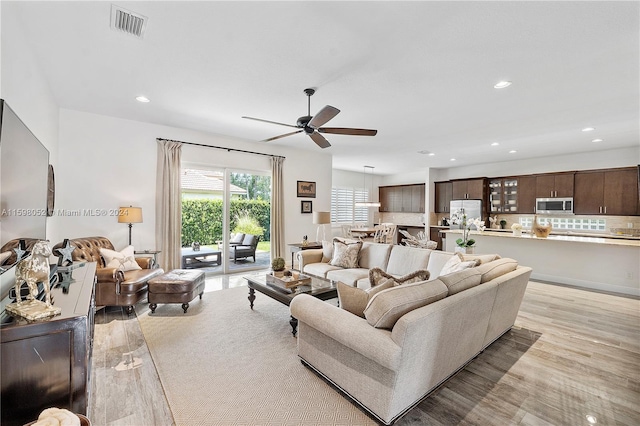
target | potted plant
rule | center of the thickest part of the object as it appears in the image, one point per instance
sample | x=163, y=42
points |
x=277, y=266
x=465, y=244
x=503, y=224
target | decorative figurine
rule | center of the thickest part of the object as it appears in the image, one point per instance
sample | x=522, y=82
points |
x=305, y=241
x=32, y=270
x=195, y=246
x=64, y=253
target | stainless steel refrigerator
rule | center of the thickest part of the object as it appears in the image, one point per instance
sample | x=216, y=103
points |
x=472, y=208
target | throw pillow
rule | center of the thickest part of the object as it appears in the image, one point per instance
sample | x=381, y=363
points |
x=456, y=263
x=236, y=238
x=377, y=275
x=345, y=255
x=388, y=306
x=123, y=260
x=461, y=280
x=327, y=251
x=354, y=299
x=248, y=240
x=497, y=268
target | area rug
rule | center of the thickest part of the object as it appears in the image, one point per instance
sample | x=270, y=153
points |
x=223, y=364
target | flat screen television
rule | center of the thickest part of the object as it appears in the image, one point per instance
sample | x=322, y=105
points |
x=24, y=170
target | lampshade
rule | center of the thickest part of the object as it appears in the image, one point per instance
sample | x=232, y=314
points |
x=320, y=218
x=130, y=215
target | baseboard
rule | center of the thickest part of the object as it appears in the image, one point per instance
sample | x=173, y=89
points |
x=588, y=285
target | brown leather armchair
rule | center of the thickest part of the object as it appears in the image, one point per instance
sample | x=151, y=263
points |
x=114, y=287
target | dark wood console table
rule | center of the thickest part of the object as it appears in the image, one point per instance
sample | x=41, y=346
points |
x=47, y=363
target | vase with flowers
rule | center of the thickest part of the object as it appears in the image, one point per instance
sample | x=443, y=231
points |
x=516, y=228
x=465, y=244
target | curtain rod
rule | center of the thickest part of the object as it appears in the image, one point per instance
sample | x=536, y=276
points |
x=221, y=147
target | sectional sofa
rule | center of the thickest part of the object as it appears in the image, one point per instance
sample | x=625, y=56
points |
x=400, y=351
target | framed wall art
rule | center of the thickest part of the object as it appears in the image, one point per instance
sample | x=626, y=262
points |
x=306, y=206
x=306, y=189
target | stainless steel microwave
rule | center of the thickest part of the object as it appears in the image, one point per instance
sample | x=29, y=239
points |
x=554, y=205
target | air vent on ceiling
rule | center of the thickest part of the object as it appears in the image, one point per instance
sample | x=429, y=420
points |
x=128, y=22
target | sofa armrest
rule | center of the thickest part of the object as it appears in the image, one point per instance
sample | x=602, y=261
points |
x=347, y=329
x=146, y=262
x=306, y=257
x=109, y=275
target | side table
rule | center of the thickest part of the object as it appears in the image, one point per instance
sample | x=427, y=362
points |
x=296, y=247
x=155, y=254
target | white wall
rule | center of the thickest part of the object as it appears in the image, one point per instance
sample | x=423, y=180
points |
x=24, y=88
x=108, y=162
x=586, y=161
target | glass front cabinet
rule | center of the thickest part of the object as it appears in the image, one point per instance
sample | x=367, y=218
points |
x=503, y=195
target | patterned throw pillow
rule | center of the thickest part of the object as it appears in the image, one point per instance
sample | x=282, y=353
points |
x=345, y=255
x=377, y=275
x=123, y=260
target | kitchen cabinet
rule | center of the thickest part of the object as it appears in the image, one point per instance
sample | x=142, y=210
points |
x=554, y=185
x=443, y=194
x=503, y=195
x=610, y=192
x=526, y=194
x=402, y=198
x=468, y=189
x=434, y=235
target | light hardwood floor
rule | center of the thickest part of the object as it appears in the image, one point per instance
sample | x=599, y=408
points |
x=572, y=354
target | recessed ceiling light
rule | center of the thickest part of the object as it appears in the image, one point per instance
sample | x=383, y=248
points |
x=502, y=84
x=495, y=144
x=453, y=159
x=513, y=151
x=142, y=99
x=597, y=140
x=431, y=154
x=588, y=129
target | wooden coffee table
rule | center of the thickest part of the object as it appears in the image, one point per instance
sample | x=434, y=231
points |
x=321, y=288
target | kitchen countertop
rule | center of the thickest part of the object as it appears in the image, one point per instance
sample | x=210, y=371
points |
x=584, y=238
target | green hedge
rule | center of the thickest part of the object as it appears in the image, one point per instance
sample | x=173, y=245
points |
x=202, y=219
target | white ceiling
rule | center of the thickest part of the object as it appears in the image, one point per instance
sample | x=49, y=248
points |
x=421, y=73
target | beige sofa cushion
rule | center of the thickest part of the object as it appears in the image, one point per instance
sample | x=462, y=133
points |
x=461, y=280
x=387, y=306
x=437, y=259
x=345, y=255
x=348, y=276
x=374, y=255
x=404, y=260
x=496, y=268
x=320, y=269
x=355, y=300
x=483, y=258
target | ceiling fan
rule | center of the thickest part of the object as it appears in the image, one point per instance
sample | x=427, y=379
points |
x=312, y=125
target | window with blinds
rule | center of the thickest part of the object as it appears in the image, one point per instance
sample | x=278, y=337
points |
x=343, y=208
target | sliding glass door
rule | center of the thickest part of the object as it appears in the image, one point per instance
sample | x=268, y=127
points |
x=225, y=219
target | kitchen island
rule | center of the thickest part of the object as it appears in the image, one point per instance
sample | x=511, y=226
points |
x=594, y=262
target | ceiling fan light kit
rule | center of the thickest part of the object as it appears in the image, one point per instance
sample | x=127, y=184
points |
x=312, y=125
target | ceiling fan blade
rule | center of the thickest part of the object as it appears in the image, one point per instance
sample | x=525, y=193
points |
x=320, y=140
x=324, y=115
x=348, y=131
x=268, y=121
x=281, y=136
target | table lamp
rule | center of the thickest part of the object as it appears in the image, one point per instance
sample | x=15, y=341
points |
x=321, y=218
x=130, y=215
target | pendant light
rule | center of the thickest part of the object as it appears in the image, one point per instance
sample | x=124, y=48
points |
x=368, y=203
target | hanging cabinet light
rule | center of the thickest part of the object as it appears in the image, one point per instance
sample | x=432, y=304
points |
x=367, y=203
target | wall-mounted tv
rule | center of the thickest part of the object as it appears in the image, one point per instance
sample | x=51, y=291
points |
x=24, y=169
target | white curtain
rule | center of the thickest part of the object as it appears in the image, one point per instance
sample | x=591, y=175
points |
x=169, y=204
x=277, y=208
